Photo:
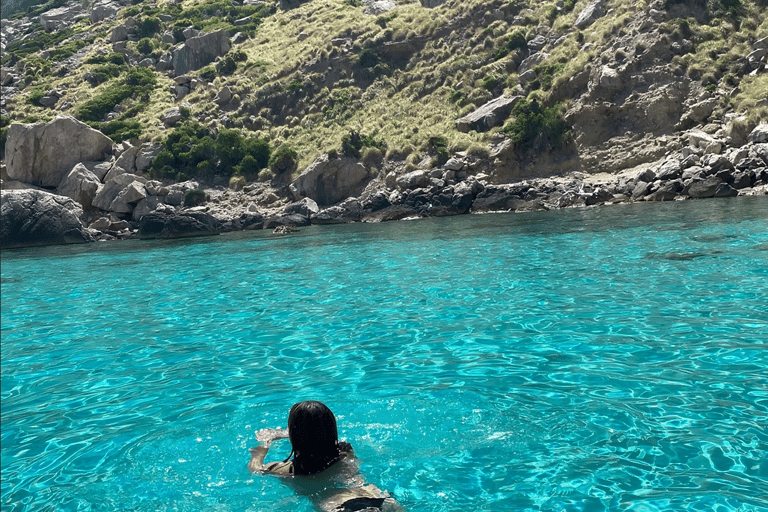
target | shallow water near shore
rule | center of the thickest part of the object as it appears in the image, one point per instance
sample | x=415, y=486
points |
x=609, y=358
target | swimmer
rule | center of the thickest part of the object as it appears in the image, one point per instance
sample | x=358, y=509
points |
x=323, y=468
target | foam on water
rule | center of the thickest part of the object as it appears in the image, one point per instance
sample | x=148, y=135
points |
x=599, y=359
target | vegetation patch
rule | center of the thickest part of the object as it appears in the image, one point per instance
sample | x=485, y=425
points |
x=192, y=150
x=137, y=82
x=534, y=125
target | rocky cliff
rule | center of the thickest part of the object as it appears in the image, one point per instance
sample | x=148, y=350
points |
x=336, y=111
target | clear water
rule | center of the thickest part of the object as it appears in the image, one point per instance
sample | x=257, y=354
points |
x=601, y=359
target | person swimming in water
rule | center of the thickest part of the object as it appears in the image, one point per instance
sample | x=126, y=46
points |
x=323, y=468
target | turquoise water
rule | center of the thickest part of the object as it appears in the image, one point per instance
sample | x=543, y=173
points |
x=589, y=359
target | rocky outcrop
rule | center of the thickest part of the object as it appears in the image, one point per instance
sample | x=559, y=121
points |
x=330, y=180
x=489, y=115
x=81, y=185
x=43, y=154
x=178, y=225
x=376, y=7
x=34, y=218
x=590, y=14
x=103, y=9
x=61, y=17
x=200, y=51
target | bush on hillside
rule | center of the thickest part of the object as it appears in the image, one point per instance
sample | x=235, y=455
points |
x=137, y=82
x=534, y=125
x=194, y=198
x=283, y=160
x=194, y=151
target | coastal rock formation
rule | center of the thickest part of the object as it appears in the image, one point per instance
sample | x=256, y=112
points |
x=178, y=225
x=34, y=218
x=81, y=185
x=43, y=154
x=330, y=180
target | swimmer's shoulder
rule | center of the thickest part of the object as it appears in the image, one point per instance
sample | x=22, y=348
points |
x=279, y=468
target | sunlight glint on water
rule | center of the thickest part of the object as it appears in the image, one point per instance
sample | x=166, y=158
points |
x=601, y=359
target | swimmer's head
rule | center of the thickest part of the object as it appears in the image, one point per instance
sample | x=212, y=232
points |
x=312, y=428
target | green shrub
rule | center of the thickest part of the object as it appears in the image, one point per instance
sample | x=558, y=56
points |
x=352, y=143
x=226, y=66
x=119, y=131
x=368, y=58
x=35, y=94
x=515, y=41
x=208, y=73
x=145, y=46
x=440, y=147
x=490, y=82
x=194, y=198
x=283, y=160
x=194, y=151
x=534, y=124
x=147, y=27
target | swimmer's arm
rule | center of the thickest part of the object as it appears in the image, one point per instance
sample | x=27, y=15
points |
x=258, y=453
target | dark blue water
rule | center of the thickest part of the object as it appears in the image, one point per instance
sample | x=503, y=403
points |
x=588, y=359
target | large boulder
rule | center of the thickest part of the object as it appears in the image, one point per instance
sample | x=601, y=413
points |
x=330, y=180
x=489, y=115
x=43, y=154
x=376, y=7
x=590, y=14
x=81, y=185
x=109, y=192
x=61, y=16
x=35, y=217
x=200, y=51
x=759, y=134
x=103, y=9
x=178, y=225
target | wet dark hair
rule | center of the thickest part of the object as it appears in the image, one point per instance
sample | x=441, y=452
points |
x=314, y=437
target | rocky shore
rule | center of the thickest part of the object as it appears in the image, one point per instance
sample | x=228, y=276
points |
x=102, y=193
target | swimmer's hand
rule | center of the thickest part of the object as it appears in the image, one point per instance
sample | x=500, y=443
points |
x=267, y=435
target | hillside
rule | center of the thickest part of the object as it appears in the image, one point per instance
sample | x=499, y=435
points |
x=259, y=90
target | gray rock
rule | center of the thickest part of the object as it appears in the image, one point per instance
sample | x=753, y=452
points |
x=120, y=33
x=103, y=9
x=489, y=115
x=145, y=206
x=33, y=218
x=759, y=134
x=590, y=14
x=168, y=37
x=43, y=154
x=705, y=188
x=145, y=156
x=178, y=225
x=293, y=219
x=199, y=51
x=376, y=7
x=224, y=96
x=81, y=185
x=667, y=191
x=531, y=62
x=306, y=207
x=114, y=171
x=669, y=170
x=413, y=180
x=329, y=181
x=432, y=3
x=112, y=188
x=172, y=116
x=127, y=158
x=59, y=17
x=128, y=197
